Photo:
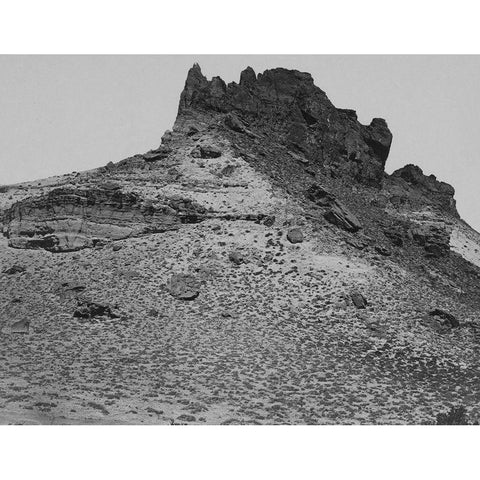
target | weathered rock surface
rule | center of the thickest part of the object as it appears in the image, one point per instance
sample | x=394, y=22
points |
x=236, y=257
x=409, y=185
x=206, y=151
x=286, y=106
x=88, y=309
x=446, y=317
x=336, y=212
x=71, y=219
x=359, y=300
x=183, y=286
x=434, y=237
x=295, y=235
x=14, y=269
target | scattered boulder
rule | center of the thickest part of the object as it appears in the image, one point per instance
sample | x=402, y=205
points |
x=14, y=269
x=318, y=195
x=359, y=300
x=236, y=257
x=73, y=287
x=116, y=247
x=445, y=318
x=227, y=170
x=206, y=151
x=88, y=309
x=358, y=243
x=21, y=327
x=337, y=214
x=234, y=123
x=295, y=235
x=384, y=251
x=395, y=235
x=183, y=286
x=269, y=221
x=343, y=218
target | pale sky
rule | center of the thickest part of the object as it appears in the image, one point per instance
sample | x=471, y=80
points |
x=70, y=113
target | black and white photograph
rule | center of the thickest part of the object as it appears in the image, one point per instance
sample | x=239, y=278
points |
x=226, y=240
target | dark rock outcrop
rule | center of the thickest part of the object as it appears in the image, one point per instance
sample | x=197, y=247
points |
x=88, y=309
x=285, y=106
x=68, y=219
x=435, y=238
x=336, y=212
x=409, y=185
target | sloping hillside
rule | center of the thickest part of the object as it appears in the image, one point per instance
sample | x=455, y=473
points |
x=259, y=266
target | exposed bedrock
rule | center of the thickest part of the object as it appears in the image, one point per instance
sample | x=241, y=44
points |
x=411, y=187
x=71, y=219
x=286, y=107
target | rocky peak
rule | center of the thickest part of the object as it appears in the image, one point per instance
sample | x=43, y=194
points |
x=286, y=108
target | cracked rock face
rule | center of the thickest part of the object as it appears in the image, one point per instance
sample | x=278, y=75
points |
x=288, y=108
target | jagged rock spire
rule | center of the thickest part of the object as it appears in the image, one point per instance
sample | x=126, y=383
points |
x=286, y=107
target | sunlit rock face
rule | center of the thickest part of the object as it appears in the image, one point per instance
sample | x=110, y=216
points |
x=71, y=219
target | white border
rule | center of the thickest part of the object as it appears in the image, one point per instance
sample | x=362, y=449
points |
x=246, y=26
x=307, y=27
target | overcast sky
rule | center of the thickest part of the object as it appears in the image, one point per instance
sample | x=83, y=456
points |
x=68, y=113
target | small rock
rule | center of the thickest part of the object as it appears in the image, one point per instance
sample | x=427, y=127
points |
x=445, y=317
x=87, y=309
x=14, y=269
x=233, y=122
x=186, y=418
x=236, y=257
x=358, y=300
x=383, y=251
x=22, y=327
x=116, y=248
x=206, y=151
x=269, y=221
x=295, y=235
x=183, y=287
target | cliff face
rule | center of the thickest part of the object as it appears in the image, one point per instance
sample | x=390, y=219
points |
x=66, y=220
x=415, y=188
x=287, y=108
